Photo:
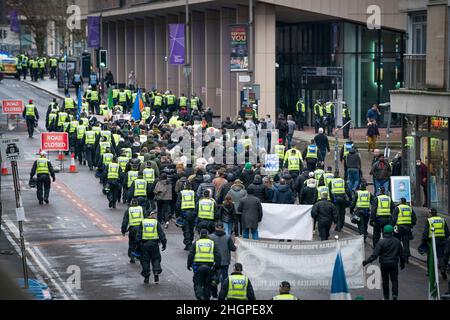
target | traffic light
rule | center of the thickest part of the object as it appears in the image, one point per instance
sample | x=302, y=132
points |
x=103, y=60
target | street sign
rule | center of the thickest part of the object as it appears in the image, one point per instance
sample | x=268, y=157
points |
x=12, y=106
x=11, y=149
x=244, y=79
x=272, y=163
x=55, y=141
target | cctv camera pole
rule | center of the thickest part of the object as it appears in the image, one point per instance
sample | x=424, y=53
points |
x=19, y=208
x=388, y=134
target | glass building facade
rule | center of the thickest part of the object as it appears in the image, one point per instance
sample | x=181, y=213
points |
x=371, y=62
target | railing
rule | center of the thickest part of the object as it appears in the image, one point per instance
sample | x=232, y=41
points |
x=415, y=71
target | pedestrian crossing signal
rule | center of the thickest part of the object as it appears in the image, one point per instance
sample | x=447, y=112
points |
x=103, y=60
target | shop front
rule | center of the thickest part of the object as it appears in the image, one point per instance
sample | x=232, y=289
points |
x=426, y=138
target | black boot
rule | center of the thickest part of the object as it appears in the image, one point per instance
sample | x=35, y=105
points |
x=146, y=279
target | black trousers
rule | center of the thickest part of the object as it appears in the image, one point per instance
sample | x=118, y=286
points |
x=301, y=120
x=163, y=210
x=132, y=244
x=340, y=207
x=93, y=107
x=202, y=281
x=346, y=130
x=389, y=271
x=378, y=229
x=363, y=223
x=43, y=186
x=113, y=193
x=30, y=126
x=188, y=228
x=150, y=255
x=311, y=164
x=330, y=125
x=79, y=151
x=404, y=235
x=90, y=155
x=317, y=123
x=324, y=231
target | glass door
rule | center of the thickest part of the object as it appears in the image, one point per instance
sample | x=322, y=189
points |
x=438, y=174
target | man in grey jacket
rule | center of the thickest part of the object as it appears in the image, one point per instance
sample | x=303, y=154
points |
x=251, y=215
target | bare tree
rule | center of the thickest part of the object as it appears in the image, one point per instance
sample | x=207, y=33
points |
x=38, y=14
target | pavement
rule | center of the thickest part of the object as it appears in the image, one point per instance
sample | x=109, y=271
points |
x=77, y=231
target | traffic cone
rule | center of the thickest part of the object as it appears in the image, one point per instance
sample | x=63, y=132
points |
x=4, y=168
x=73, y=167
x=61, y=156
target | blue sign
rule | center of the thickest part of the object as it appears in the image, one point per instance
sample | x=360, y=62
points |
x=272, y=163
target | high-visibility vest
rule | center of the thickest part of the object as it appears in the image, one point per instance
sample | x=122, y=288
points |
x=68, y=103
x=187, y=199
x=206, y=209
x=54, y=107
x=66, y=126
x=384, y=205
x=289, y=154
x=328, y=108
x=171, y=99
x=149, y=175
x=53, y=62
x=51, y=117
x=150, y=229
x=115, y=93
x=118, y=107
x=62, y=116
x=293, y=163
x=133, y=97
x=140, y=188
x=439, y=227
x=29, y=110
x=158, y=101
x=173, y=120
x=279, y=150
x=346, y=113
x=128, y=92
x=113, y=170
x=73, y=126
x=34, y=64
x=318, y=174
x=145, y=115
x=122, y=97
x=204, y=251
x=135, y=216
x=103, y=145
x=404, y=214
x=88, y=94
x=84, y=107
x=194, y=103
x=237, y=287
x=81, y=130
x=303, y=108
x=321, y=190
x=107, y=158
x=338, y=186
x=97, y=130
x=347, y=148
x=409, y=141
x=183, y=101
x=318, y=111
x=285, y=297
x=122, y=161
x=142, y=158
x=90, y=137
x=128, y=152
x=311, y=151
x=103, y=109
x=94, y=95
x=42, y=166
x=363, y=200
x=131, y=176
x=85, y=121
x=116, y=138
x=107, y=134
x=327, y=177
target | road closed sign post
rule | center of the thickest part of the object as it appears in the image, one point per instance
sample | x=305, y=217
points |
x=55, y=141
x=12, y=106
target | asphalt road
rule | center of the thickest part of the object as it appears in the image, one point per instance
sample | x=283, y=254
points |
x=77, y=231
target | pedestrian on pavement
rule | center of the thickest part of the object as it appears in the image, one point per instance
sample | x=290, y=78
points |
x=325, y=213
x=340, y=195
x=390, y=252
x=131, y=222
x=43, y=169
x=423, y=176
x=252, y=214
x=360, y=208
x=441, y=234
x=282, y=127
x=403, y=220
x=381, y=171
x=322, y=143
x=353, y=163
x=374, y=114
x=291, y=128
x=372, y=135
x=380, y=214
x=285, y=292
x=31, y=115
x=148, y=237
x=225, y=245
x=237, y=286
x=204, y=258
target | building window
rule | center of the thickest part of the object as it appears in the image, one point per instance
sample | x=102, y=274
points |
x=419, y=33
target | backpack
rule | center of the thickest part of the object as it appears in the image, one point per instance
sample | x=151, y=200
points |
x=283, y=126
x=263, y=125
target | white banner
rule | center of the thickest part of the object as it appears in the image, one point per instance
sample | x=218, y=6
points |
x=286, y=221
x=304, y=265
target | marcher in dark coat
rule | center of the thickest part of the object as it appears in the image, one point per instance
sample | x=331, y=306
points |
x=252, y=214
x=325, y=213
x=258, y=189
x=283, y=194
x=309, y=192
x=247, y=175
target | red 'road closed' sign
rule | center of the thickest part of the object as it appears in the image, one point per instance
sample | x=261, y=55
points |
x=12, y=106
x=55, y=141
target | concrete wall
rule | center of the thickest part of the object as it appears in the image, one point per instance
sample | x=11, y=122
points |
x=413, y=102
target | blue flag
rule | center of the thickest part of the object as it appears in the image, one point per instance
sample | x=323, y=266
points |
x=138, y=106
x=80, y=103
x=339, y=288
